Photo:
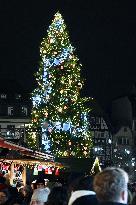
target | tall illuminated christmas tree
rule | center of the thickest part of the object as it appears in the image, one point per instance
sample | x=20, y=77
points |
x=58, y=109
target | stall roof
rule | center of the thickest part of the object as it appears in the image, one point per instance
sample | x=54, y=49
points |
x=25, y=151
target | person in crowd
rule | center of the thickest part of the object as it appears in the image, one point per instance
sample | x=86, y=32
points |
x=130, y=197
x=40, y=189
x=4, y=197
x=46, y=182
x=58, y=196
x=25, y=194
x=17, y=202
x=33, y=185
x=11, y=192
x=14, y=194
x=42, y=184
x=73, y=180
x=19, y=185
x=3, y=184
x=111, y=186
x=39, y=197
x=133, y=200
x=83, y=192
x=133, y=189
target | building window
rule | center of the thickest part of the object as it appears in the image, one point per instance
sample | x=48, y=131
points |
x=92, y=121
x=18, y=96
x=10, y=111
x=103, y=124
x=125, y=129
x=10, y=131
x=3, y=96
x=123, y=141
x=24, y=111
x=102, y=134
x=98, y=135
x=98, y=150
x=126, y=141
x=119, y=142
x=97, y=120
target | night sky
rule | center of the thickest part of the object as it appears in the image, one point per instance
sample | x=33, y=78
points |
x=103, y=33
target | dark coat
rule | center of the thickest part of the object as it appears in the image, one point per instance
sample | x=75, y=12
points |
x=110, y=203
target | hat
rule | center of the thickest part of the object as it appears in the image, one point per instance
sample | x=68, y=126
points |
x=40, y=180
x=40, y=195
x=46, y=180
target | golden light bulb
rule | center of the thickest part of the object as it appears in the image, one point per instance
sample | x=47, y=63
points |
x=60, y=109
x=61, y=91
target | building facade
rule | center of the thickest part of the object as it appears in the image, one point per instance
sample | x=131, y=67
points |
x=15, y=110
x=102, y=140
x=124, y=132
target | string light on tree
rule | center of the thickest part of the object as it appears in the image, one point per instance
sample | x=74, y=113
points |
x=60, y=109
x=61, y=91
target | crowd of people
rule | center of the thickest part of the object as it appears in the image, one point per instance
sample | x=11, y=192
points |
x=108, y=187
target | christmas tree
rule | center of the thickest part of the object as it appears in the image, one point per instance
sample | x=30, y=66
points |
x=58, y=109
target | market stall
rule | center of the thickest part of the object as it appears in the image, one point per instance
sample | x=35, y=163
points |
x=15, y=160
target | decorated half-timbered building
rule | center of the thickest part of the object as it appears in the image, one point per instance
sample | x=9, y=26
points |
x=15, y=110
x=102, y=140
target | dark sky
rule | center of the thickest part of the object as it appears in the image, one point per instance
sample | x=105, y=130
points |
x=103, y=33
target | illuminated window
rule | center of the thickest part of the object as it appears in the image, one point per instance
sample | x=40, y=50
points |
x=3, y=96
x=10, y=131
x=18, y=96
x=24, y=110
x=10, y=111
x=103, y=124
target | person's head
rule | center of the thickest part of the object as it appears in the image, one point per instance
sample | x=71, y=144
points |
x=26, y=191
x=40, y=183
x=3, y=197
x=33, y=185
x=111, y=185
x=58, y=196
x=39, y=197
x=73, y=180
x=85, y=183
x=46, y=181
